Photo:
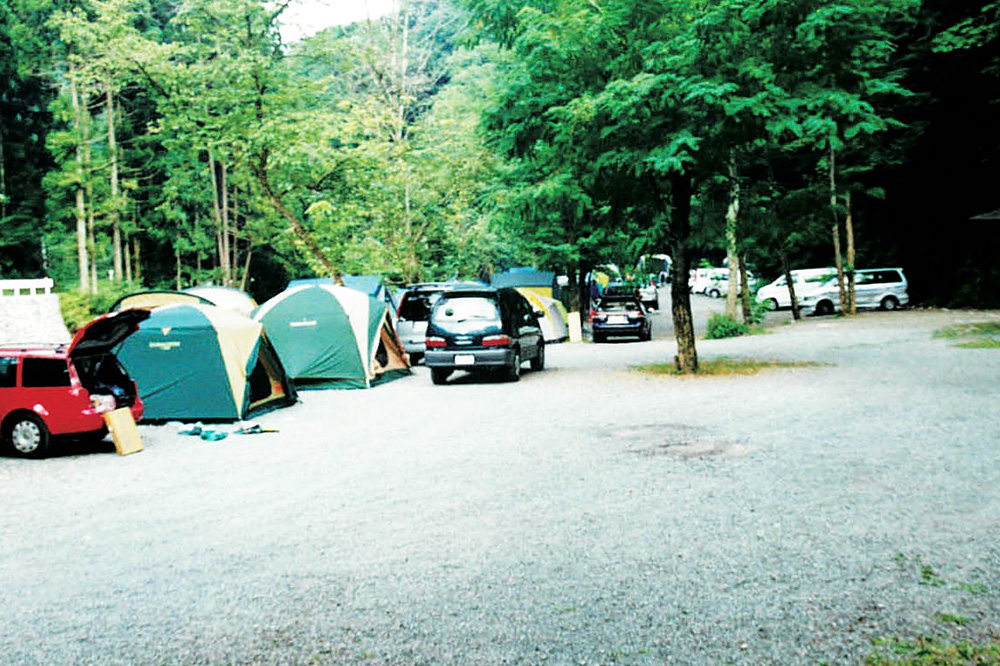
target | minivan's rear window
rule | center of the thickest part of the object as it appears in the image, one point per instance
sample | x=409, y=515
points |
x=619, y=305
x=466, y=308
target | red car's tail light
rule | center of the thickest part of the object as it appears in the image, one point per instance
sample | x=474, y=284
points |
x=103, y=403
x=496, y=341
x=434, y=343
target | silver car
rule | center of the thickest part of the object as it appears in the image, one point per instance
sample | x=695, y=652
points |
x=414, y=310
x=882, y=288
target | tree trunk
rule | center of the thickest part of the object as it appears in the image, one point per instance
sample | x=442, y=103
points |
x=216, y=211
x=219, y=215
x=732, y=216
x=115, y=214
x=796, y=315
x=126, y=260
x=835, y=229
x=88, y=189
x=234, y=259
x=81, y=205
x=303, y=235
x=3, y=174
x=225, y=262
x=745, y=292
x=136, y=260
x=680, y=293
x=849, y=232
x=575, y=288
x=246, y=267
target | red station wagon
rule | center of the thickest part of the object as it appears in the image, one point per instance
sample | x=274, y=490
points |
x=64, y=390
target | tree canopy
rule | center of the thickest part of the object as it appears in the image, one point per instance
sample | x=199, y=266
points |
x=159, y=143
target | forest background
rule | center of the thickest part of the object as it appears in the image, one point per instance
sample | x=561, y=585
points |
x=168, y=143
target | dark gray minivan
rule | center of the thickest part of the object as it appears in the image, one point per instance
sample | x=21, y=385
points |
x=483, y=328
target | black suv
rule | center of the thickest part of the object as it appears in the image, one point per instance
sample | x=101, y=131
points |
x=483, y=329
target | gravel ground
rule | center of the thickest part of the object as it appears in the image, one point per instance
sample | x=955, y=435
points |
x=588, y=514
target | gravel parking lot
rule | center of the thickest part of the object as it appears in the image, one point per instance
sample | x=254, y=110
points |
x=588, y=514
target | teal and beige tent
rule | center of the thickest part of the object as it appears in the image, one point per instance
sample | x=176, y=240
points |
x=195, y=362
x=329, y=336
x=154, y=298
x=554, y=322
x=230, y=298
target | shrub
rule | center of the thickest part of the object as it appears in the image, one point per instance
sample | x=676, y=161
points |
x=758, y=311
x=720, y=326
x=79, y=309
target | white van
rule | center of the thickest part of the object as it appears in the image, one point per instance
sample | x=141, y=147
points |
x=883, y=288
x=775, y=296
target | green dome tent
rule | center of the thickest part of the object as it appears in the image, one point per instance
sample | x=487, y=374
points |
x=329, y=336
x=204, y=363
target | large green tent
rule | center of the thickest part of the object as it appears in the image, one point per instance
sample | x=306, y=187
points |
x=329, y=336
x=204, y=363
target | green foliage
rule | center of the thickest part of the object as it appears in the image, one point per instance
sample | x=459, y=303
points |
x=726, y=366
x=78, y=309
x=758, y=311
x=720, y=326
x=975, y=31
x=561, y=150
x=932, y=652
x=973, y=335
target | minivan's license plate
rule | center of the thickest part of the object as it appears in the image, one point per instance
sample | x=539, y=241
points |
x=465, y=359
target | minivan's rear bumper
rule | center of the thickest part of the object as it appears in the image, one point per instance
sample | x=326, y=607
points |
x=468, y=359
x=623, y=330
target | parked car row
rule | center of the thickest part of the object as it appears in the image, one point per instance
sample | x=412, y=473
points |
x=818, y=291
x=65, y=390
x=775, y=296
x=471, y=326
x=874, y=288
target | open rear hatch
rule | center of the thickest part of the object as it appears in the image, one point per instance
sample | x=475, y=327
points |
x=106, y=332
x=91, y=353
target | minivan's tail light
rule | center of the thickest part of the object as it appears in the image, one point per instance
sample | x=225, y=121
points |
x=598, y=316
x=634, y=314
x=434, y=343
x=496, y=341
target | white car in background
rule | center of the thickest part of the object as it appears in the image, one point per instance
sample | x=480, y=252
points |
x=716, y=282
x=775, y=295
x=881, y=288
x=702, y=279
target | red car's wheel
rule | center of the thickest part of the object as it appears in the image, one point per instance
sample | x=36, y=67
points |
x=27, y=435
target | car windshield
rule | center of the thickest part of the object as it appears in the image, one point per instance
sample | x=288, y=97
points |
x=618, y=305
x=466, y=308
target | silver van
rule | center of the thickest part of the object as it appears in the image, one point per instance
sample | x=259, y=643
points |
x=775, y=295
x=874, y=288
